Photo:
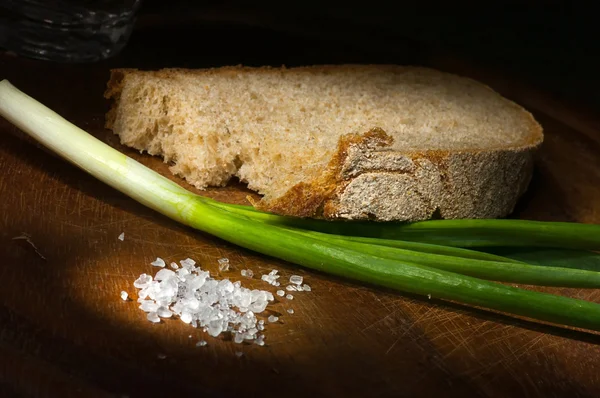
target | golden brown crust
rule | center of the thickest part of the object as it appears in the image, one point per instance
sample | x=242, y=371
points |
x=316, y=198
x=463, y=177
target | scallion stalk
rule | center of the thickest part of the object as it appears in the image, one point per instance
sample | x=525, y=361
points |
x=490, y=268
x=513, y=272
x=407, y=245
x=403, y=276
x=469, y=233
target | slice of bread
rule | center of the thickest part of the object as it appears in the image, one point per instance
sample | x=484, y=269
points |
x=336, y=142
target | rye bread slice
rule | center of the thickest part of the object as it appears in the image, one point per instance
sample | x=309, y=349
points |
x=376, y=142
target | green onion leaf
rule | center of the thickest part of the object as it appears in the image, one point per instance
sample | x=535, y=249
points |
x=469, y=233
x=408, y=245
x=566, y=258
x=522, y=273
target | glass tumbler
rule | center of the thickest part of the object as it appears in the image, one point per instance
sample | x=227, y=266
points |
x=74, y=31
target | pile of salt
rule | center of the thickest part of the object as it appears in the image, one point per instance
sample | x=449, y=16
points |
x=216, y=306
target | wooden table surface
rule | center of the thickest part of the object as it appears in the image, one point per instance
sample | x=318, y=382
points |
x=64, y=330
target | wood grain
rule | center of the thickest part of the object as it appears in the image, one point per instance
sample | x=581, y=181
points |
x=64, y=331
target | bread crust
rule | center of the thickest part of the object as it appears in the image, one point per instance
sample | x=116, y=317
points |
x=367, y=180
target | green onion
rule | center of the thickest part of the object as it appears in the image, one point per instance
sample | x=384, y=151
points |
x=333, y=255
x=566, y=258
x=453, y=259
x=472, y=233
x=341, y=261
x=503, y=271
x=522, y=273
x=407, y=245
x=506, y=232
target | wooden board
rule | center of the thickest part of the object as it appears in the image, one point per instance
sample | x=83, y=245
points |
x=64, y=331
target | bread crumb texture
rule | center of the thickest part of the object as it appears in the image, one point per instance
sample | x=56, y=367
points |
x=371, y=142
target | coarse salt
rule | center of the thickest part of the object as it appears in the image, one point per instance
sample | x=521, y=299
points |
x=159, y=262
x=197, y=299
x=247, y=273
x=271, y=278
x=153, y=317
x=223, y=264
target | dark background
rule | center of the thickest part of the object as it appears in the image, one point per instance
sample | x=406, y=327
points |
x=550, y=44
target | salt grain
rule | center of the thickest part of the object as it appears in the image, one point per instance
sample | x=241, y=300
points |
x=164, y=312
x=223, y=264
x=238, y=338
x=306, y=288
x=122, y=236
x=291, y=288
x=289, y=297
x=182, y=273
x=201, y=343
x=149, y=306
x=247, y=273
x=188, y=263
x=280, y=293
x=271, y=278
x=143, y=281
x=260, y=340
x=164, y=274
x=290, y=311
x=153, y=317
x=296, y=279
x=186, y=317
x=239, y=354
x=272, y=318
x=159, y=262
x=124, y=295
x=174, y=266
x=215, y=328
